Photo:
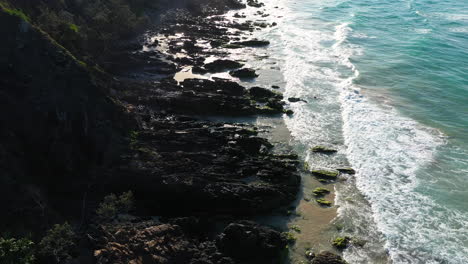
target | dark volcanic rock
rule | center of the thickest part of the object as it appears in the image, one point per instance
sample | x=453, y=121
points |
x=327, y=257
x=221, y=65
x=172, y=173
x=254, y=3
x=295, y=99
x=263, y=95
x=251, y=242
x=244, y=73
x=252, y=43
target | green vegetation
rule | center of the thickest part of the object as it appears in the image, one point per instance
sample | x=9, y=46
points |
x=133, y=137
x=325, y=174
x=320, y=191
x=113, y=205
x=16, y=251
x=73, y=27
x=14, y=12
x=341, y=242
x=59, y=243
x=90, y=30
x=296, y=228
x=323, y=202
x=290, y=237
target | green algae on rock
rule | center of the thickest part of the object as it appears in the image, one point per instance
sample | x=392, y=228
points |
x=290, y=237
x=323, y=202
x=325, y=174
x=323, y=149
x=341, y=242
x=295, y=228
x=319, y=191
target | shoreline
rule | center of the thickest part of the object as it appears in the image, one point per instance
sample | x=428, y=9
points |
x=196, y=181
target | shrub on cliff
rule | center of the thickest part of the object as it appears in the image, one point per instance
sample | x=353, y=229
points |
x=88, y=28
x=16, y=251
x=113, y=205
x=59, y=243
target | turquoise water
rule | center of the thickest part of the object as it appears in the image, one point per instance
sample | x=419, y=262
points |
x=387, y=85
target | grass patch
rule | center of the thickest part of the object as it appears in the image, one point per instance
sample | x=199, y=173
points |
x=14, y=12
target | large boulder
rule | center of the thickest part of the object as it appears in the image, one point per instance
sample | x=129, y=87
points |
x=244, y=73
x=221, y=65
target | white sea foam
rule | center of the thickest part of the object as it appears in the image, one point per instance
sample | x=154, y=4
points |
x=386, y=148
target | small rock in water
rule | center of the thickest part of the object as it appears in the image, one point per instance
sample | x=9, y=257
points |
x=295, y=99
x=320, y=191
x=309, y=254
x=346, y=170
x=323, y=202
x=322, y=149
x=244, y=73
x=252, y=43
x=325, y=174
x=341, y=242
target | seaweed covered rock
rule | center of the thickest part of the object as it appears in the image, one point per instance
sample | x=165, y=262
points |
x=319, y=191
x=325, y=174
x=341, y=242
x=322, y=149
x=249, y=241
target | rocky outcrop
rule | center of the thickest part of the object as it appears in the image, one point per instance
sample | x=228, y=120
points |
x=226, y=170
x=177, y=241
x=252, y=243
x=222, y=65
x=244, y=73
x=153, y=243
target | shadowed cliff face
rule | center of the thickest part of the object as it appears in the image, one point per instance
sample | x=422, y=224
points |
x=55, y=123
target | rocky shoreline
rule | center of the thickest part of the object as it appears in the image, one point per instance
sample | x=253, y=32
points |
x=85, y=134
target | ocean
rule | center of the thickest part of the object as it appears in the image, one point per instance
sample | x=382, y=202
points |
x=386, y=84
